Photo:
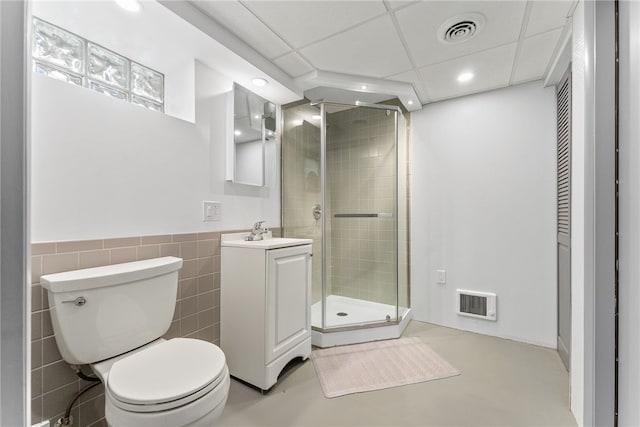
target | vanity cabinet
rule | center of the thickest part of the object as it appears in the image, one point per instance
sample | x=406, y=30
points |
x=265, y=306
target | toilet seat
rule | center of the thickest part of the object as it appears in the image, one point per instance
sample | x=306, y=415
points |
x=166, y=375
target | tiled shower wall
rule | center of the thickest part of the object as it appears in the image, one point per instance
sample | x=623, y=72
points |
x=197, y=311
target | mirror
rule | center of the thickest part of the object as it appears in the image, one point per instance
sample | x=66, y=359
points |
x=254, y=124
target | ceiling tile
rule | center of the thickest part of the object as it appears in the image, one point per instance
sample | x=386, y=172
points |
x=420, y=23
x=372, y=49
x=293, y=64
x=396, y=4
x=303, y=22
x=548, y=15
x=240, y=21
x=535, y=54
x=492, y=69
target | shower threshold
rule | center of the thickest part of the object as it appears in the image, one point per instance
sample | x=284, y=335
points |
x=357, y=321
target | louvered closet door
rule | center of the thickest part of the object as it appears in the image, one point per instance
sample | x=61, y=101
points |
x=564, y=218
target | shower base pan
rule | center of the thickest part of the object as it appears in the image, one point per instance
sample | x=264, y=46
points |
x=356, y=321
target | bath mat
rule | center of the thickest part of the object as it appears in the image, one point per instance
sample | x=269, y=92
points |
x=378, y=365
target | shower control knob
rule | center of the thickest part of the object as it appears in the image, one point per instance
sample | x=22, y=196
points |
x=80, y=301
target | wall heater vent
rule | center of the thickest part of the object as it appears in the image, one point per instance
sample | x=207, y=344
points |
x=481, y=305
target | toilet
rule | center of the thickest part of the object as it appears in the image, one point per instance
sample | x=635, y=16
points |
x=112, y=318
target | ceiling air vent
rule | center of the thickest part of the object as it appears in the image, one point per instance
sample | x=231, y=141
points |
x=461, y=28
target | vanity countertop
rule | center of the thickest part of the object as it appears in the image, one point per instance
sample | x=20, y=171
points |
x=237, y=240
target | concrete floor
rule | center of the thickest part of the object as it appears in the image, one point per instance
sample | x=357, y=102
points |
x=503, y=383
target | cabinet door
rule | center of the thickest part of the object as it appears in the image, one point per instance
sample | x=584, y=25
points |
x=288, y=299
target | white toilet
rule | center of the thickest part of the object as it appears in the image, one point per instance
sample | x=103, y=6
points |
x=112, y=318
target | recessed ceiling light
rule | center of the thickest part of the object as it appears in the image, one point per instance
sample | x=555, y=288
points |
x=129, y=5
x=465, y=77
x=237, y=133
x=410, y=102
x=257, y=116
x=259, y=81
x=363, y=87
x=316, y=117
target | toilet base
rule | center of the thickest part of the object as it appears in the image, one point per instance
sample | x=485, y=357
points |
x=200, y=413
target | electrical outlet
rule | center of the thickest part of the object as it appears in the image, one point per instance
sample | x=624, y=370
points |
x=211, y=211
x=442, y=277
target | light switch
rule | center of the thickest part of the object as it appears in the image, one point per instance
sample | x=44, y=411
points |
x=442, y=277
x=211, y=211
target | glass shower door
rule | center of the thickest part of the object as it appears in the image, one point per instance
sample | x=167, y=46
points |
x=341, y=188
x=301, y=189
x=360, y=207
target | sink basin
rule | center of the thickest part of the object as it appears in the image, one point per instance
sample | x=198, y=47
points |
x=237, y=240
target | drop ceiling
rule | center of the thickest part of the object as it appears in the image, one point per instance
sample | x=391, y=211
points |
x=397, y=41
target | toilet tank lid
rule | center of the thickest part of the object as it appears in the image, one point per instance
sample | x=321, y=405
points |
x=108, y=275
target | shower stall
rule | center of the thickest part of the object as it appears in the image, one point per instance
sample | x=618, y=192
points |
x=344, y=185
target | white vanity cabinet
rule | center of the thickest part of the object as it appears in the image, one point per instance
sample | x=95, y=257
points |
x=265, y=306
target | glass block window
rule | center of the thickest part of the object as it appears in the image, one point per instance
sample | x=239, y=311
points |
x=108, y=67
x=147, y=83
x=65, y=56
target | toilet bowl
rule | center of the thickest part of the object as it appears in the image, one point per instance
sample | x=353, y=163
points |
x=111, y=318
x=180, y=382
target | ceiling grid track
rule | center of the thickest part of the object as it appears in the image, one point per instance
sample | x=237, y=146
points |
x=405, y=45
x=280, y=36
x=297, y=50
x=509, y=45
x=347, y=29
x=523, y=32
x=469, y=54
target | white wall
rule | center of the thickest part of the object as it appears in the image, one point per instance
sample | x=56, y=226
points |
x=483, y=209
x=629, y=349
x=106, y=168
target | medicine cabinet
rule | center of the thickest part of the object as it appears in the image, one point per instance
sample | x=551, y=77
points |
x=253, y=126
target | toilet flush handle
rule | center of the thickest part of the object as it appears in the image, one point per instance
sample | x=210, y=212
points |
x=80, y=301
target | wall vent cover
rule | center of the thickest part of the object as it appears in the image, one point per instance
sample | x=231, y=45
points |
x=461, y=28
x=481, y=305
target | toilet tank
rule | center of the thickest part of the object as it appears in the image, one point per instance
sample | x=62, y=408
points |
x=98, y=313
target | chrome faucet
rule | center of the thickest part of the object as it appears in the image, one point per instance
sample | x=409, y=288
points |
x=257, y=231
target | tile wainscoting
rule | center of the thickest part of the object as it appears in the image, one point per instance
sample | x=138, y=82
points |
x=197, y=312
